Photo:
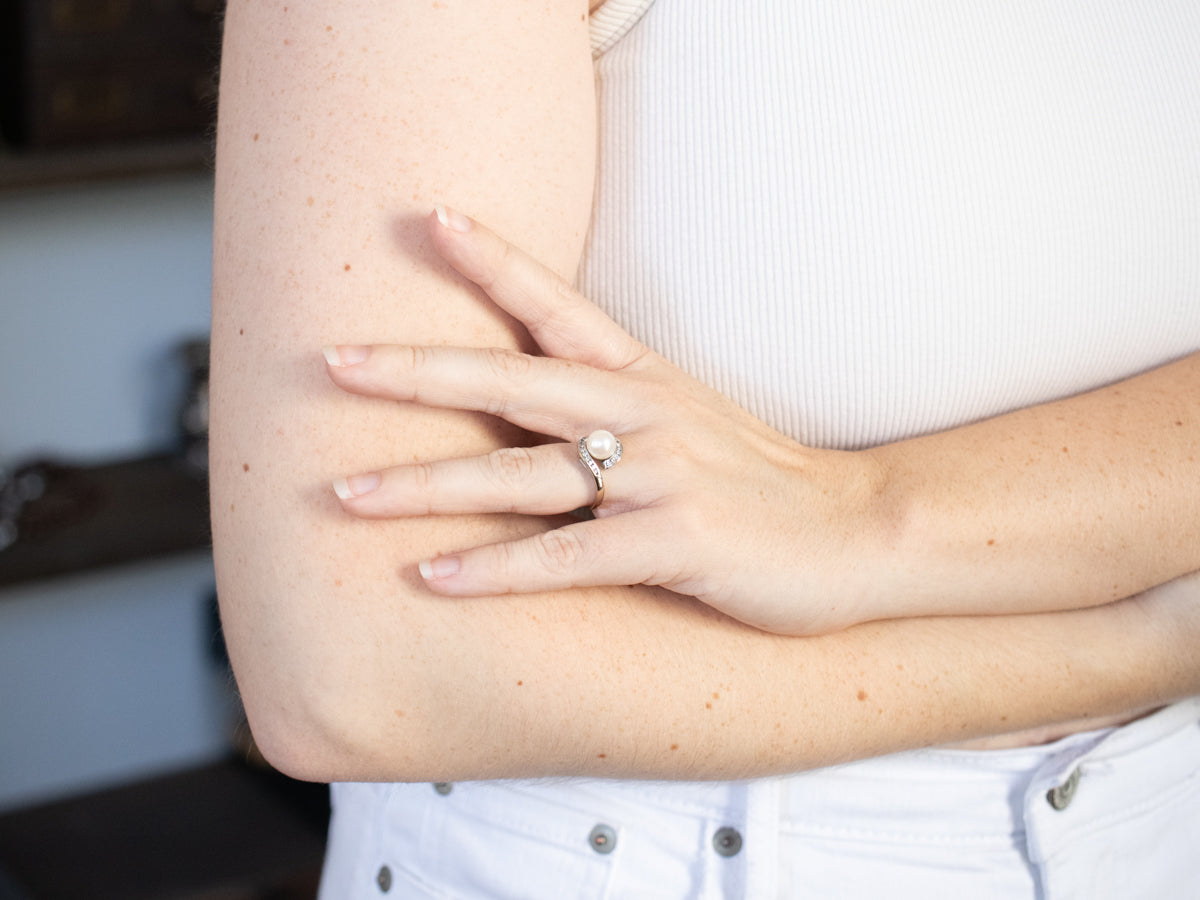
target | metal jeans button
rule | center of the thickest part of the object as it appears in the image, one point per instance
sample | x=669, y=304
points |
x=727, y=841
x=443, y=787
x=603, y=839
x=383, y=878
x=1060, y=797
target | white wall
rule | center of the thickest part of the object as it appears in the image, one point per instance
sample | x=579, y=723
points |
x=97, y=286
x=106, y=678
x=103, y=677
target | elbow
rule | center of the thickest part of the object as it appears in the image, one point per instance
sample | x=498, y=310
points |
x=311, y=730
x=290, y=748
x=291, y=733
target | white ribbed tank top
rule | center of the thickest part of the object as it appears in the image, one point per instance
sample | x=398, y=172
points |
x=865, y=220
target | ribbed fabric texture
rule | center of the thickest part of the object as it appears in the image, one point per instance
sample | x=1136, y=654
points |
x=865, y=220
x=612, y=20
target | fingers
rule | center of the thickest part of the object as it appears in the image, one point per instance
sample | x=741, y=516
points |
x=541, y=395
x=563, y=322
x=543, y=480
x=586, y=554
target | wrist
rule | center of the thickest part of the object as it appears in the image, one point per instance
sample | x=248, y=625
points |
x=902, y=541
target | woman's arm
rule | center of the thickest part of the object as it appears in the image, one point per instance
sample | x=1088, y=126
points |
x=341, y=122
x=338, y=131
x=983, y=519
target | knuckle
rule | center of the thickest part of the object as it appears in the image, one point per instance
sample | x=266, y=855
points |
x=508, y=364
x=510, y=467
x=422, y=476
x=424, y=488
x=692, y=522
x=563, y=290
x=418, y=357
x=559, y=551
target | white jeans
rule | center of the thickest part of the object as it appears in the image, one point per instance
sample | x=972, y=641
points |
x=1112, y=814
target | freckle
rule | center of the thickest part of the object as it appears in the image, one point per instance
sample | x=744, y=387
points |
x=231, y=507
x=337, y=582
x=245, y=467
x=1177, y=422
x=256, y=135
x=674, y=746
x=601, y=756
x=862, y=695
x=1065, y=450
x=519, y=683
x=1004, y=718
x=991, y=542
x=309, y=201
x=286, y=42
x=399, y=713
x=346, y=267
x=708, y=706
x=241, y=331
x=329, y=28
x=716, y=696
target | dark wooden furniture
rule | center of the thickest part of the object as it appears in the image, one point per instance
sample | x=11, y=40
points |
x=90, y=71
x=96, y=516
x=94, y=89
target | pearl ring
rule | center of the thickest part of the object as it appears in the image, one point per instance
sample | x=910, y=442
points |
x=600, y=448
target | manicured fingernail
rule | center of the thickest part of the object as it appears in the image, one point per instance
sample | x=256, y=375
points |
x=356, y=485
x=442, y=567
x=345, y=355
x=452, y=219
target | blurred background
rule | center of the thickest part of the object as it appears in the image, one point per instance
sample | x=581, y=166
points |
x=126, y=770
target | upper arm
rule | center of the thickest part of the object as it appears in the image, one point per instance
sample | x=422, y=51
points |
x=341, y=124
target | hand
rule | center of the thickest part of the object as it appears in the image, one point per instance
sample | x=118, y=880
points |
x=706, y=501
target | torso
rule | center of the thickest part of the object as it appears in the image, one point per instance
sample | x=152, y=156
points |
x=895, y=219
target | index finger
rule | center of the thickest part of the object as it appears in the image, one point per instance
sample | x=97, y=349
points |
x=564, y=323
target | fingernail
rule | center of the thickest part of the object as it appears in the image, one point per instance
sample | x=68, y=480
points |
x=356, y=485
x=442, y=567
x=345, y=355
x=452, y=219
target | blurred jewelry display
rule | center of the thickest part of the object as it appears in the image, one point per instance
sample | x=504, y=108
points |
x=193, y=414
x=18, y=488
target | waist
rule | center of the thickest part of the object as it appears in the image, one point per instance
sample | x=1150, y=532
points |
x=1048, y=734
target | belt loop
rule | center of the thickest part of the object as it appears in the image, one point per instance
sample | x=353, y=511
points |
x=761, y=846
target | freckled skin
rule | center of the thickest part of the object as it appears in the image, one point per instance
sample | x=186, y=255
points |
x=321, y=651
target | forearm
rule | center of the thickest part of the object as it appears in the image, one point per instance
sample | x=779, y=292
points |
x=628, y=684
x=1068, y=504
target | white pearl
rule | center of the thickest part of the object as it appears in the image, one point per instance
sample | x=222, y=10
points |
x=601, y=444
